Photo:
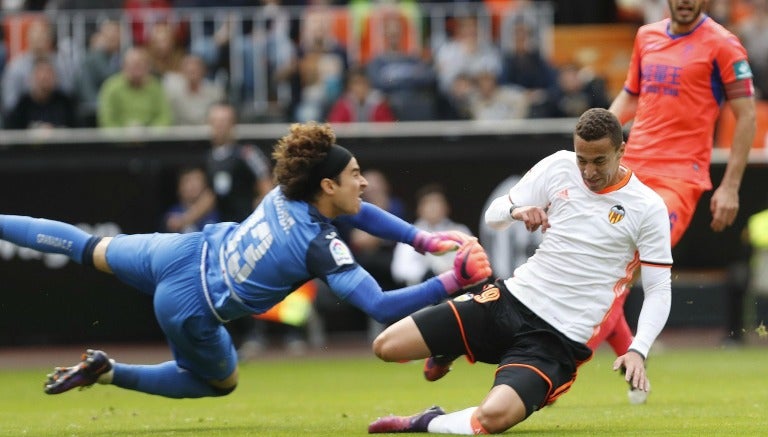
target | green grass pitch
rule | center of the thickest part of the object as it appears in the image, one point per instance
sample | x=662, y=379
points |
x=696, y=392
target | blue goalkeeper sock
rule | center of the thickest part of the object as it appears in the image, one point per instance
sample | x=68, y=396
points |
x=165, y=379
x=48, y=236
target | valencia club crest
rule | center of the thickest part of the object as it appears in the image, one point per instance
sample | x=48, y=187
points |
x=617, y=213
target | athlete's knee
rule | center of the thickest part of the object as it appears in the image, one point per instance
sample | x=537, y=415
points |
x=223, y=391
x=493, y=420
x=379, y=346
x=385, y=346
x=227, y=385
x=502, y=409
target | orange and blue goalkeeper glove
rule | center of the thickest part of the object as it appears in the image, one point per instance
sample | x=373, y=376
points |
x=438, y=243
x=471, y=267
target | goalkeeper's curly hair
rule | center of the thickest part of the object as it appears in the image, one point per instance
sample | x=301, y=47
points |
x=296, y=154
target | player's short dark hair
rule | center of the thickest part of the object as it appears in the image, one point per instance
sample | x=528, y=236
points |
x=297, y=154
x=598, y=123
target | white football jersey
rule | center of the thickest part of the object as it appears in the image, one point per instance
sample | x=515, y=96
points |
x=595, y=243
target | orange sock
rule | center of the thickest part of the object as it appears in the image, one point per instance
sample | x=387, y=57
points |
x=477, y=428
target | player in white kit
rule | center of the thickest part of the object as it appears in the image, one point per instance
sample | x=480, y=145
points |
x=599, y=222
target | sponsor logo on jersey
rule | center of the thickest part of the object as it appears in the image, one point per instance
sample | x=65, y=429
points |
x=340, y=252
x=617, y=213
x=741, y=69
x=661, y=79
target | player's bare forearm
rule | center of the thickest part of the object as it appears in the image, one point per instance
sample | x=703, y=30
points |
x=724, y=205
x=624, y=107
x=743, y=136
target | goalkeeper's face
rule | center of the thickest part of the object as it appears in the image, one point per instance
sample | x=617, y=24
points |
x=348, y=189
x=599, y=162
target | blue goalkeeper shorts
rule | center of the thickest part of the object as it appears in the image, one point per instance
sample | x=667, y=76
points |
x=169, y=267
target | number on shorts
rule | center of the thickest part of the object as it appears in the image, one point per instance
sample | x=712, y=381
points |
x=490, y=294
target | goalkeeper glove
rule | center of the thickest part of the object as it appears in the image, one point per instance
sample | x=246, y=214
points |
x=471, y=267
x=438, y=243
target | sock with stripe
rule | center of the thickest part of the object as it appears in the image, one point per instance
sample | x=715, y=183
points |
x=458, y=422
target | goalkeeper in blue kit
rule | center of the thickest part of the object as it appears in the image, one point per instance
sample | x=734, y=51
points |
x=201, y=280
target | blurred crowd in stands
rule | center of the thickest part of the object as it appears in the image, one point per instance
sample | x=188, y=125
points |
x=124, y=63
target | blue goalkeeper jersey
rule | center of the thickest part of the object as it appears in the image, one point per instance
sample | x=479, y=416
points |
x=251, y=266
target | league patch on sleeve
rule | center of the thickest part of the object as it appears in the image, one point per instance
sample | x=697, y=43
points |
x=340, y=252
x=741, y=70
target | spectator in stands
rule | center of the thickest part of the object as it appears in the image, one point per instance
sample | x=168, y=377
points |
x=360, y=102
x=44, y=105
x=368, y=19
x=210, y=38
x=263, y=50
x=143, y=15
x=133, y=97
x=15, y=80
x=492, y=101
x=165, y=54
x=525, y=66
x=101, y=61
x=577, y=90
x=464, y=53
x=432, y=212
x=753, y=32
x=192, y=94
x=404, y=77
x=456, y=105
x=318, y=79
x=192, y=185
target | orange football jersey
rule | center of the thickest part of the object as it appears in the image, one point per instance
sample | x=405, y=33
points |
x=680, y=83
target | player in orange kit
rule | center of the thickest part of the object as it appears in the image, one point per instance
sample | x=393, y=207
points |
x=681, y=71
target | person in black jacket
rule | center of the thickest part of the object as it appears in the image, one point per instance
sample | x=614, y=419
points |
x=44, y=105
